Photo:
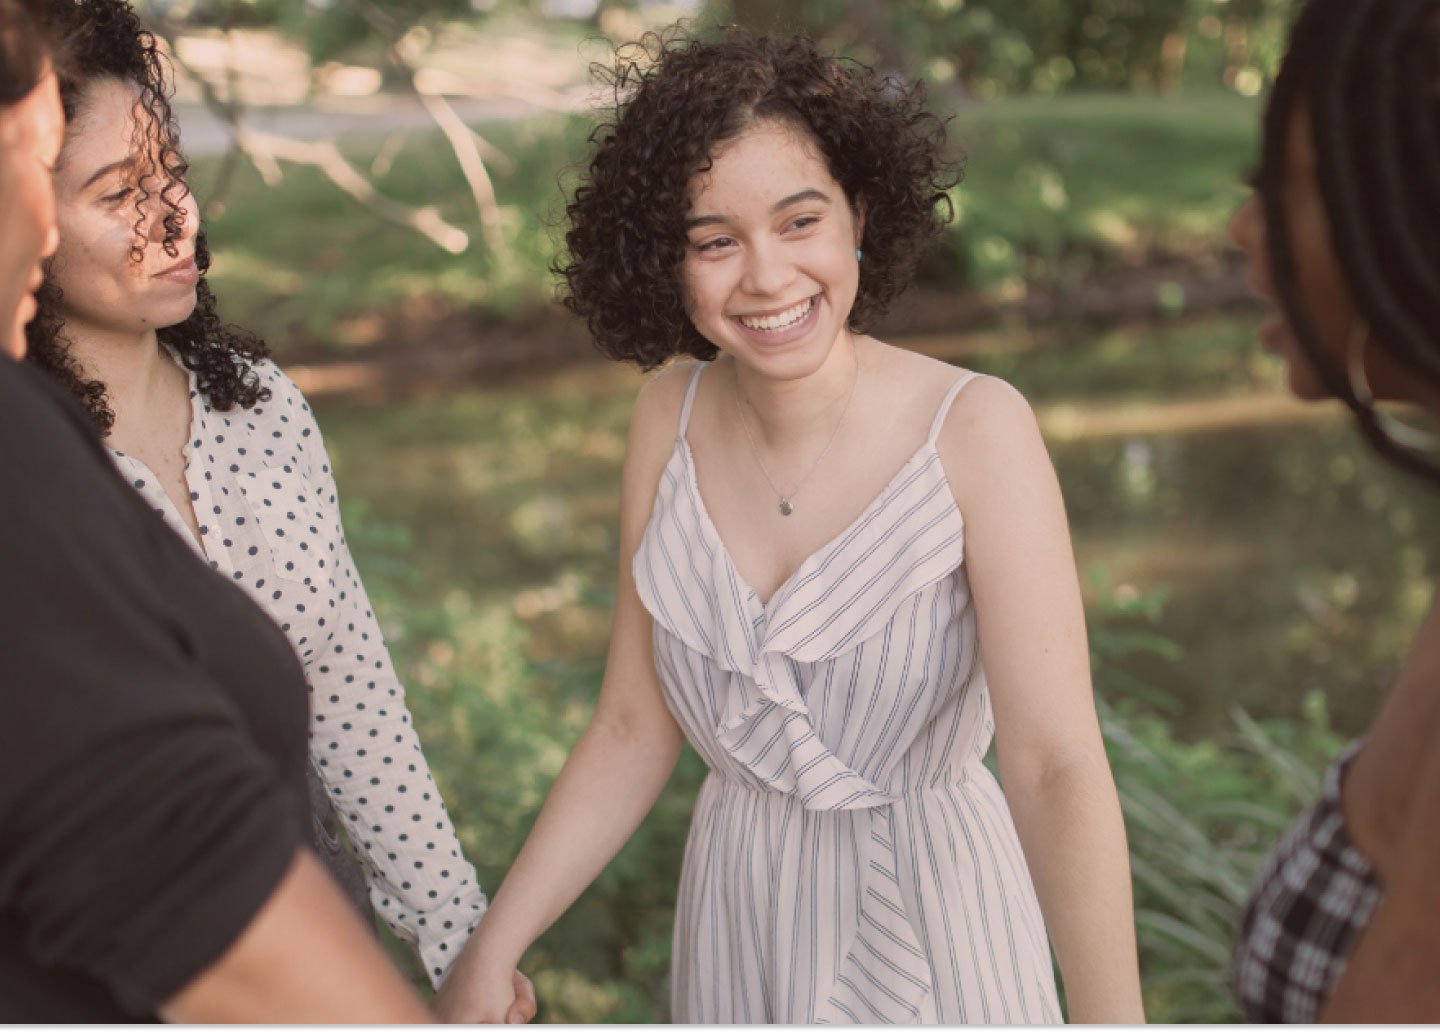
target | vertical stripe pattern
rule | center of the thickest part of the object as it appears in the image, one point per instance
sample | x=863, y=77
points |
x=850, y=859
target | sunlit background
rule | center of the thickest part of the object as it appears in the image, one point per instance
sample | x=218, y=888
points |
x=382, y=181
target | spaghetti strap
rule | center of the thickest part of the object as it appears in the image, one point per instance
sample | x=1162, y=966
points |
x=948, y=401
x=690, y=397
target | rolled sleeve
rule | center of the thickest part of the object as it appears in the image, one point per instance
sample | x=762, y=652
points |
x=144, y=861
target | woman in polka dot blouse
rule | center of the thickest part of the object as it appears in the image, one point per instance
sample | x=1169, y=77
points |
x=226, y=449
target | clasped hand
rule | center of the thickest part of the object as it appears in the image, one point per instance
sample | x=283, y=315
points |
x=486, y=998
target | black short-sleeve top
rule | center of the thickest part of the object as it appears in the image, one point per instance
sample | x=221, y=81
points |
x=153, y=738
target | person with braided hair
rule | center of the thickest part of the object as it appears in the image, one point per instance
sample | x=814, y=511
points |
x=1343, y=233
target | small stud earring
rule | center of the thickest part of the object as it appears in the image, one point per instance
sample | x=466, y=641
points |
x=859, y=255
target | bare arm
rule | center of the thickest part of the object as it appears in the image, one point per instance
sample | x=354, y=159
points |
x=1032, y=634
x=1390, y=976
x=304, y=958
x=615, y=772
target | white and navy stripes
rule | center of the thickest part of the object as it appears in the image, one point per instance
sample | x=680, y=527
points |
x=851, y=860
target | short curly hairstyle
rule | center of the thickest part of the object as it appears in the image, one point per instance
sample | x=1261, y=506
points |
x=678, y=98
x=104, y=40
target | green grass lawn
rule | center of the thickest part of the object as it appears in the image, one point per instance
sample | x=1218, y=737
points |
x=1057, y=189
x=1060, y=188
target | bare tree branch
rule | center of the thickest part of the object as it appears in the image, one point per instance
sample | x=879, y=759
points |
x=530, y=93
x=266, y=150
x=384, y=159
x=462, y=140
x=326, y=156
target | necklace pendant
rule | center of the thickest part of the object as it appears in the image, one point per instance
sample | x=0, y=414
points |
x=785, y=507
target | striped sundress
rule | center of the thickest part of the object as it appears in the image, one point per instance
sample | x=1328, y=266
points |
x=850, y=859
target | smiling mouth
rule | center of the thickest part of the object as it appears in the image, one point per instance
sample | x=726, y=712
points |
x=185, y=266
x=782, y=320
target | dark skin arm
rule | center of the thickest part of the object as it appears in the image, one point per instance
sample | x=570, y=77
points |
x=1393, y=974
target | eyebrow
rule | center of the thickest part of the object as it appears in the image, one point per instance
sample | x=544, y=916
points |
x=105, y=170
x=807, y=194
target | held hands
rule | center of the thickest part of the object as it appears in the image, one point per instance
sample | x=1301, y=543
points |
x=485, y=997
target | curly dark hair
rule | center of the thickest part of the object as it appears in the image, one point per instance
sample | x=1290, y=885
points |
x=677, y=98
x=104, y=40
x=1367, y=71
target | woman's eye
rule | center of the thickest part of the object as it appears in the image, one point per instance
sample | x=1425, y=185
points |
x=715, y=244
x=805, y=221
x=118, y=195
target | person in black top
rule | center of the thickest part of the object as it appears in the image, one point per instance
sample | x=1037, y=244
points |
x=152, y=752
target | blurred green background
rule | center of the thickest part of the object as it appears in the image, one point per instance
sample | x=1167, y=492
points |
x=1251, y=573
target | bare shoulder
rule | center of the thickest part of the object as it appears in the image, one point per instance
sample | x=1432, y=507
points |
x=654, y=424
x=983, y=399
x=658, y=403
x=986, y=413
x=989, y=436
x=655, y=419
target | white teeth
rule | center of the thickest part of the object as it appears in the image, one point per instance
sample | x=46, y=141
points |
x=782, y=320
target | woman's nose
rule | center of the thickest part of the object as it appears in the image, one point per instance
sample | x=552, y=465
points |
x=768, y=270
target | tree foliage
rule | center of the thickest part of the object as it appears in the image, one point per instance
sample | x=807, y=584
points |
x=984, y=48
x=999, y=47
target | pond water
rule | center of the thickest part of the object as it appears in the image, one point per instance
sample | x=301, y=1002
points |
x=1256, y=535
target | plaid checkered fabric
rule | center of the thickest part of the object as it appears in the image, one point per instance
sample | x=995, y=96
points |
x=1314, y=895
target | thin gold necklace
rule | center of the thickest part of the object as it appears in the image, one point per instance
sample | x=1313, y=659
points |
x=787, y=505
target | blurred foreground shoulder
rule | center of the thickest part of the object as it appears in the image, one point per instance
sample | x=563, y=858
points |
x=659, y=401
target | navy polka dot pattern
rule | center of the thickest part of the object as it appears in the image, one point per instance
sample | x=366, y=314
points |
x=265, y=500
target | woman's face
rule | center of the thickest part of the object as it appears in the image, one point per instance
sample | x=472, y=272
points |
x=770, y=272
x=30, y=136
x=106, y=293
x=1323, y=291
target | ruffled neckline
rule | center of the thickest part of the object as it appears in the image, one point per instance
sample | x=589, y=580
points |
x=845, y=592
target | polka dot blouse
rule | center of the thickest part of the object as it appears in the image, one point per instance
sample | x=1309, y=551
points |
x=265, y=500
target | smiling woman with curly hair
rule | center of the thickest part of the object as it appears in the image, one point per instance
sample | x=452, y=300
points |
x=224, y=447
x=627, y=221
x=800, y=595
x=110, y=44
